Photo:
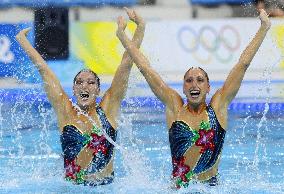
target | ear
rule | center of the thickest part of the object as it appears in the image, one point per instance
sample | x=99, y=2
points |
x=98, y=91
x=208, y=89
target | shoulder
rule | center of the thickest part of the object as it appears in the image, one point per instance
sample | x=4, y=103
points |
x=173, y=113
x=67, y=116
x=217, y=101
x=175, y=102
x=220, y=108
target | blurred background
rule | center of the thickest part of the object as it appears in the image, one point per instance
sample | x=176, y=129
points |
x=75, y=34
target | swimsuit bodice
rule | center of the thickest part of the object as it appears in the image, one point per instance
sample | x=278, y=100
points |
x=210, y=137
x=73, y=141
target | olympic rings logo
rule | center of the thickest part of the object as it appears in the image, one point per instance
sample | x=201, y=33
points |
x=218, y=44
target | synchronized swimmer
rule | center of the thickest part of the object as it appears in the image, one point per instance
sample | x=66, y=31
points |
x=88, y=156
x=196, y=129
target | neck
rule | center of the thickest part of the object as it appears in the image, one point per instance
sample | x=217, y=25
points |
x=196, y=109
x=87, y=109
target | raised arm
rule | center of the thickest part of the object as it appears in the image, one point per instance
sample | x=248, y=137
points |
x=233, y=81
x=167, y=95
x=113, y=96
x=55, y=93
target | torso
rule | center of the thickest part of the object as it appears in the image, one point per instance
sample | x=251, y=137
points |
x=85, y=126
x=192, y=154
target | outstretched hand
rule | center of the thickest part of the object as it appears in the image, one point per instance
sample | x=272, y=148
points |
x=133, y=16
x=265, y=21
x=23, y=33
x=121, y=25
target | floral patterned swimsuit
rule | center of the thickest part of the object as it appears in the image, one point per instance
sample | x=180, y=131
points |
x=73, y=141
x=210, y=137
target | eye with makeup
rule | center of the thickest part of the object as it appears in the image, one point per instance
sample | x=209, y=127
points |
x=200, y=79
x=189, y=80
x=91, y=82
x=78, y=82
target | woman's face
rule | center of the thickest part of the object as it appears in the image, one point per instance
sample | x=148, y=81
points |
x=86, y=89
x=195, y=86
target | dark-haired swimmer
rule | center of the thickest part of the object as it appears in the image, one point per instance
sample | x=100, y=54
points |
x=196, y=129
x=88, y=155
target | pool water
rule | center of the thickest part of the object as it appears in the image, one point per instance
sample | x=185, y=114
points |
x=31, y=162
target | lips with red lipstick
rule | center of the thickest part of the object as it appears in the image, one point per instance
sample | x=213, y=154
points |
x=194, y=93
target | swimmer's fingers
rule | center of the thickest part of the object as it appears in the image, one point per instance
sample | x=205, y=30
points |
x=130, y=13
x=133, y=16
x=23, y=33
x=263, y=15
x=264, y=18
x=121, y=23
x=138, y=19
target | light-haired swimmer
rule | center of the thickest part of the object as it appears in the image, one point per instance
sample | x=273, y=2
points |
x=88, y=156
x=196, y=129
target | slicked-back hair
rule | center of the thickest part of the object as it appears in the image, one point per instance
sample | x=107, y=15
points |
x=88, y=70
x=205, y=73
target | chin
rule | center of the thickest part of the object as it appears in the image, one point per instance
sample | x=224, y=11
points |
x=195, y=102
x=82, y=103
x=86, y=104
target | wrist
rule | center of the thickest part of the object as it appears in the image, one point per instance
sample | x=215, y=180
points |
x=140, y=23
x=18, y=37
x=119, y=33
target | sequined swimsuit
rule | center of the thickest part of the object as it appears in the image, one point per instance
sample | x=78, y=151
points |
x=73, y=141
x=210, y=137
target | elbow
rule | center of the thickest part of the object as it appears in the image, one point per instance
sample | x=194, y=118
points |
x=245, y=66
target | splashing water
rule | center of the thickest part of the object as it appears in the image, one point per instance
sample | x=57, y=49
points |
x=139, y=174
x=267, y=74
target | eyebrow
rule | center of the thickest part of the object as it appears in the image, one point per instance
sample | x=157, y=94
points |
x=88, y=79
x=196, y=76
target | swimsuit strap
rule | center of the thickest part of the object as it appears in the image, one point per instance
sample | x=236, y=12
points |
x=106, y=124
x=102, y=159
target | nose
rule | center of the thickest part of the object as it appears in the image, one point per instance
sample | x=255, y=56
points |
x=194, y=83
x=84, y=84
